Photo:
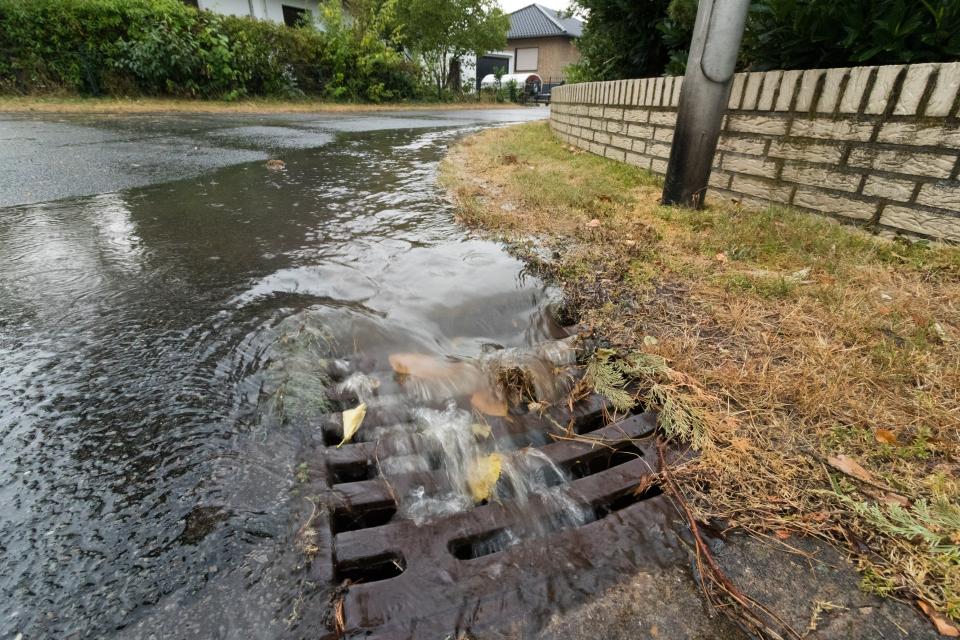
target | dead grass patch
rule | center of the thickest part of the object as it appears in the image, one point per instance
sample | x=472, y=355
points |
x=790, y=337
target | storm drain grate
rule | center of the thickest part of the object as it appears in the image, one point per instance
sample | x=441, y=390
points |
x=478, y=569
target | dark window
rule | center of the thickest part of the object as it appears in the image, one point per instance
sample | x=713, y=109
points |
x=293, y=16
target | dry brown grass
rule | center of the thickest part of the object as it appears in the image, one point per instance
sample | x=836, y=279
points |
x=796, y=338
x=71, y=104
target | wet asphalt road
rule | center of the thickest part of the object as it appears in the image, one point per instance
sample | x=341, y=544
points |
x=50, y=157
x=168, y=308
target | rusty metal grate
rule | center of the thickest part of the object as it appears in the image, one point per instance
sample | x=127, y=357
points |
x=462, y=573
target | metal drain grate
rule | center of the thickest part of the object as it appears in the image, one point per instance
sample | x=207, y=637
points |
x=464, y=572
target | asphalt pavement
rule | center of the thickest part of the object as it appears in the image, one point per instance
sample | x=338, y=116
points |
x=53, y=156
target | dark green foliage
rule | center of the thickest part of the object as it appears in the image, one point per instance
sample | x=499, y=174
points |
x=802, y=34
x=676, y=30
x=162, y=47
x=620, y=40
x=624, y=39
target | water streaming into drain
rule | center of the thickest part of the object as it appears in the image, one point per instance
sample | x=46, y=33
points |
x=175, y=358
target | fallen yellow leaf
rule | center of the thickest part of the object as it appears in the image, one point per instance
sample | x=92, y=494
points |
x=352, y=419
x=483, y=476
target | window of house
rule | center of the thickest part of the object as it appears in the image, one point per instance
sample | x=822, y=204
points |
x=292, y=16
x=526, y=59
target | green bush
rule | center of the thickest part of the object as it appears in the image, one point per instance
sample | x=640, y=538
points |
x=805, y=34
x=642, y=38
x=163, y=47
x=620, y=40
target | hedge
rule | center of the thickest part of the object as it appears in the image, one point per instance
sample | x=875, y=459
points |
x=163, y=47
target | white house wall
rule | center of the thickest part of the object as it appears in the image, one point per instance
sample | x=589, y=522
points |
x=262, y=9
x=228, y=7
x=275, y=10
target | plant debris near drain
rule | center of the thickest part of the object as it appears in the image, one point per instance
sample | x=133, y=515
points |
x=815, y=367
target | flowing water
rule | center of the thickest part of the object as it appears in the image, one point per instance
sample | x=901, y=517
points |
x=165, y=351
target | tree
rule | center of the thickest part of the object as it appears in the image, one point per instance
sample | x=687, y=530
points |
x=644, y=38
x=620, y=40
x=442, y=32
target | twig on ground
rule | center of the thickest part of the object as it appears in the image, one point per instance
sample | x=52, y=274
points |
x=752, y=612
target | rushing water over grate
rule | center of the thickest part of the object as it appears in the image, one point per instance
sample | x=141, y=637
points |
x=172, y=358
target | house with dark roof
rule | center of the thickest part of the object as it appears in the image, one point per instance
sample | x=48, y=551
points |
x=543, y=41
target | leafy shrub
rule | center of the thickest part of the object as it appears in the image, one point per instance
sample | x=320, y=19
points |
x=620, y=40
x=276, y=60
x=804, y=34
x=627, y=39
x=676, y=30
x=165, y=47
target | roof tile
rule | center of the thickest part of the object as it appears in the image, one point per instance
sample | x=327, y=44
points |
x=536, y=21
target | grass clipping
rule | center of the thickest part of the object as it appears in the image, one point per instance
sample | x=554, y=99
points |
x=770, y=340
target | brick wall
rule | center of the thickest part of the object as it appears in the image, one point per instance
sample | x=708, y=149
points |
x=871, y=144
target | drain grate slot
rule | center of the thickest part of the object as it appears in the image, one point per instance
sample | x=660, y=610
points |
x=372, y=569
x=625, y=499
x=604, y=458
x=481, y=544
x=353, y=520
x=353, y=471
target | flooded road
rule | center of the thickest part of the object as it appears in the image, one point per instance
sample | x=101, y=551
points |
x=170, y=307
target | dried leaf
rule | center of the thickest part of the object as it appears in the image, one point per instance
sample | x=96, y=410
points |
x=885, y=436
x=488, y=404
x=593, y=224
x=352, y=419
x=782, y=534
x=424, y=366
x=944, y=628
x=845, y=464
x=721, y=258
x=896, y=499
x=483, y=476
x=888, y=497
x=481, y=430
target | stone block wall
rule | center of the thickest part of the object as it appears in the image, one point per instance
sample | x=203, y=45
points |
x=877, y=145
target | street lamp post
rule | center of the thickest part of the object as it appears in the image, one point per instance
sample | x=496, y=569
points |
x=703, y=99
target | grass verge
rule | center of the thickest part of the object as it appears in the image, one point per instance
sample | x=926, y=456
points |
x=31, y=104
x=815, y=367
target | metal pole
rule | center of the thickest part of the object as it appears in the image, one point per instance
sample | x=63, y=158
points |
x=703, y=99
